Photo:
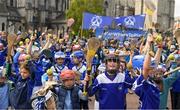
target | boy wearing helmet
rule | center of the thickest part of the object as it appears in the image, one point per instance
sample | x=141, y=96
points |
x=59, y=59
x=69, y=94
x=57, y=68
x=80, y=67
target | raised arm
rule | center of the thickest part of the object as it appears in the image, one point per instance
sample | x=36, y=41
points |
x=147, y=60
x=158, y=40
x=48, y=39
x=29, y=47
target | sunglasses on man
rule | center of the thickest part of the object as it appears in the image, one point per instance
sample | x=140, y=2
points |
x=115, y=60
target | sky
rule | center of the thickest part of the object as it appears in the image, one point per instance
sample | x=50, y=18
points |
x=177, y=8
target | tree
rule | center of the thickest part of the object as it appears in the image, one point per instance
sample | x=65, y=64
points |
x=77, y=7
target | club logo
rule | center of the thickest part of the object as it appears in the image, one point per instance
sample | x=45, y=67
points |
x=96, y=22
x=129, y=21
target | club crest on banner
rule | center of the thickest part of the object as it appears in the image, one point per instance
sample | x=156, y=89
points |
x=129, y=21
x=96, y=21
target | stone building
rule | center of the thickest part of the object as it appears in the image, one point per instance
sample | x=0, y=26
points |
x=21, y=14
x=118, y=8
x=163, y=15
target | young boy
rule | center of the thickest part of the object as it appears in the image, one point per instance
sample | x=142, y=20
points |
x=4, y=90
x=69, y=94
x=59, y=59
x=80, y=67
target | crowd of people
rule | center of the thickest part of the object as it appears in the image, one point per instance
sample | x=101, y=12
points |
x=42, y=70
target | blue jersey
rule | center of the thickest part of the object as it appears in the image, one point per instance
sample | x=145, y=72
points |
x=20, y=96
x=3, y=55
x=16, y=63
x=175, y=86
x=38, y=73
x=149, y=94
x=81, y=70
x=111, y=91
x=4, y=96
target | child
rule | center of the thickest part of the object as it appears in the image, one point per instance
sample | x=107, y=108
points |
x=78, y=57
x=80, y=67
x=59, y=66
x=68, y=93
x=4, y=90
x=24, y=83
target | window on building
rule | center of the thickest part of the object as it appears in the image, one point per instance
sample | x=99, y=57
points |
x=65, y=7
x=3, y=26
x=62, y=5
x=121, y=13
x=20, y=28
x=68, y=3
x=57, y=4
x=11, y=2
x=131, y=11
x=106, y=4
x=45, y=4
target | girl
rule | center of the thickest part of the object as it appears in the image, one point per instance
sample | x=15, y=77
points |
x=23, y=86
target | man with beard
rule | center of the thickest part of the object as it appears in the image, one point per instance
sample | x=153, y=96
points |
x=111, y=85
x=146, y=87
x=175, y=92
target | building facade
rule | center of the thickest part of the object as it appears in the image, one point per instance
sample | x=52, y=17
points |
x=118, y=8
x=177, y=23
x=163, y=15
x=23, y=14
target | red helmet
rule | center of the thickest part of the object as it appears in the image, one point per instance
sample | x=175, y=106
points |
x=67, y=74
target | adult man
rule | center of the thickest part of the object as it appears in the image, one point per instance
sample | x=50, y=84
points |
x=111, y=85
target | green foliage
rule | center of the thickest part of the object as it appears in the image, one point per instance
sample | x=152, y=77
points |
x=77, y=7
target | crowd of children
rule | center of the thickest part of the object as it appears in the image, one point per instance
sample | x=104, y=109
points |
x=51, y=67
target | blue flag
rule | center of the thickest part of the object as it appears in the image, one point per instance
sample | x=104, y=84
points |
x=119, y=34
x=136, y=21
x=93, y=21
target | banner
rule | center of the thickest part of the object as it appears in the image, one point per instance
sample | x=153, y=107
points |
x=93, y=21
x=136, y=21
x=119, y=34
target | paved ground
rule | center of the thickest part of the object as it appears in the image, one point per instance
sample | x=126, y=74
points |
x=132, y=102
